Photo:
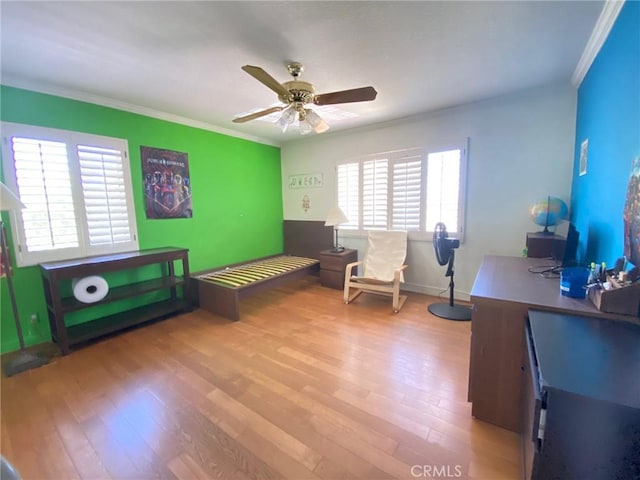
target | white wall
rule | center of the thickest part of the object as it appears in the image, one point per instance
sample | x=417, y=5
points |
x=520, y=150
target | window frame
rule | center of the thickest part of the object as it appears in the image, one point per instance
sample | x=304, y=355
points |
x=72, y=139
x=463, y=146
x=396, y=156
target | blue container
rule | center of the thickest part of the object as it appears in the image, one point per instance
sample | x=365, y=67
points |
x=573, y=280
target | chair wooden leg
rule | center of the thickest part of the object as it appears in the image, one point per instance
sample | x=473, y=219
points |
x=401, y=300
x=346, y=290
x=396, y=297
x=398, y=300
x=348, y=298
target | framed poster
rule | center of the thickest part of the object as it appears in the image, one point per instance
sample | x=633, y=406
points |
x=166, y=183
x=631, y=215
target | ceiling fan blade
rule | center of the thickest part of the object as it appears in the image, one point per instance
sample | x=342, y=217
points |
x=266, y=79
x=364, y=94
x=253, y=116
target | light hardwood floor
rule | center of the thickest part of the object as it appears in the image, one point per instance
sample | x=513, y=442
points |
x=301, y=387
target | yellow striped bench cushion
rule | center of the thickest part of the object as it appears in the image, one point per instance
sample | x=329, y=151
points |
x=242, y=275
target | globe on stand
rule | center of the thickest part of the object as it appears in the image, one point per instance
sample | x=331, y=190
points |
x=548, y=212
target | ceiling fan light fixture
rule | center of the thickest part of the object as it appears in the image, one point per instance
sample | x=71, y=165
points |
x=289, y=114
x=322, y=127
x=283, y=124
x=287, y=118
x=305, y=127
x=316, y=122
x=312, y=117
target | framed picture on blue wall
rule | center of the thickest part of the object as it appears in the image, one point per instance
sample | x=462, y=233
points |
x=584, y=150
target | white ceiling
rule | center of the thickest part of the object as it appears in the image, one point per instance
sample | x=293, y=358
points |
x=181, y=60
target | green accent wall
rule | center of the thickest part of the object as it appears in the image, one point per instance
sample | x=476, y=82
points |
x=236, y=190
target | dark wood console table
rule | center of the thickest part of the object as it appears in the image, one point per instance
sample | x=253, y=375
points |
x=503, y=293
x=54, y=273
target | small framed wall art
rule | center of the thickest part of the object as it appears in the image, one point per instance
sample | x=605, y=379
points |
x=584, y=151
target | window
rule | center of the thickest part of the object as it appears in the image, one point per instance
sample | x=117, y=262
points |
x=349, y=193
x=404, y=190
x=443, y=189
x=77, y=192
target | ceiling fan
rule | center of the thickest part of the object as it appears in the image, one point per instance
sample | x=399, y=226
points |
x=297, y=94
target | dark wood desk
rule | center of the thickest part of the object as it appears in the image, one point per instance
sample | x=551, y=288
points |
x=581, y=386
x=502, y=295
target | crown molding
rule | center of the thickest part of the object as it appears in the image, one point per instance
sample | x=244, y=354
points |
x=603, y=26
x=129, y=107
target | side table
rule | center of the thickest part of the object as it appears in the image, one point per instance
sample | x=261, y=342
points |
x=332, y=267
x=541, y=245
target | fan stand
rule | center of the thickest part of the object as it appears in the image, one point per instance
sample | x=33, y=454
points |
x=450, y=311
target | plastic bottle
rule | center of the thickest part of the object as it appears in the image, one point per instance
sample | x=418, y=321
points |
x=592, y=273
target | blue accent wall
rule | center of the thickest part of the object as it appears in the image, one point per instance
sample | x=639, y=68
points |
x=609, y=116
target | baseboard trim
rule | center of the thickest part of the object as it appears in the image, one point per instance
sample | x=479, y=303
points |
x=436, y=291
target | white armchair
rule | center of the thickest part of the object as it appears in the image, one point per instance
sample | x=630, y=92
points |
x=383, y=268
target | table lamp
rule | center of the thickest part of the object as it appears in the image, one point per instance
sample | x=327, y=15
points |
x=336, y=217
x=24, y=360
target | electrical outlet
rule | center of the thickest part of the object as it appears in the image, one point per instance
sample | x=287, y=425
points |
x=34, y=318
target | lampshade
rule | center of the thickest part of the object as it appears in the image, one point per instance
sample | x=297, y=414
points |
x=335, y=217
x=8, y=200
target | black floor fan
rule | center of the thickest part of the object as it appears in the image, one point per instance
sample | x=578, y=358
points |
x=445, y=253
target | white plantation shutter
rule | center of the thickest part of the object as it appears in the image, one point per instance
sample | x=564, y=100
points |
x=77, y=192
x=349, y=193
x=443, y=189
x=105, y=199
x=406, y=188
x=44, y=186
x=375, y=191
